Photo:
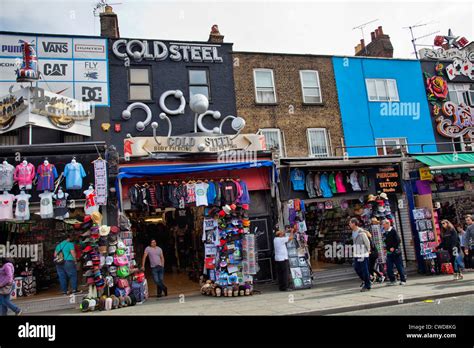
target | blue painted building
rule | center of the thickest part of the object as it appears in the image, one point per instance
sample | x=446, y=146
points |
x=383, y=105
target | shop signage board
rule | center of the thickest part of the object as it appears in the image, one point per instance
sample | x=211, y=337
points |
x=425, y=173
x=387, y=179
x=73, y=67
x=143, y=146
x=100, y=174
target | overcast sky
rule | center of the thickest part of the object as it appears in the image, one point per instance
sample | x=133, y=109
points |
x=311, y=26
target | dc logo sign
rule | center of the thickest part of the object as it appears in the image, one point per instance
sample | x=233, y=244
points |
x=92, y=94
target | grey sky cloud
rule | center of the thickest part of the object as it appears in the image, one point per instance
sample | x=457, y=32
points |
x=316, y=27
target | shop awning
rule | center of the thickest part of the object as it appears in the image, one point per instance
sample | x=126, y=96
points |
x=449, y=163
x=152, y=170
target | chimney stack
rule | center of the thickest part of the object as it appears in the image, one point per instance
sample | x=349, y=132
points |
x=380, y=45
x=109, y=23
x=215, y=36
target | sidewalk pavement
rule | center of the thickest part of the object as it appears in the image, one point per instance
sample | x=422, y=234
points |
x=320, y=300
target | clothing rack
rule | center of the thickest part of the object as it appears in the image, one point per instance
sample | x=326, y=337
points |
x=187, y=180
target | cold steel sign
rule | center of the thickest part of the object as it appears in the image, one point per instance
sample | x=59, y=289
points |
x=70, y=66
x=138, y=50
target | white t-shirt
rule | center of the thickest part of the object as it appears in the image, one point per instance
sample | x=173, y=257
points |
x=22, y=211
x=6, y=206
x=281, y=252
x=46, y=205
x=201, y=193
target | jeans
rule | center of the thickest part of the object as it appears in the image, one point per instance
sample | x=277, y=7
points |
x=6, y=303
x=158, y=273
x=67, y=272
x=282, y=273
x=458, y=263
x=361, y=266
x=395, y=259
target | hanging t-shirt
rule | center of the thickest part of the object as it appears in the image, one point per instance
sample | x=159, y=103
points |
x=6, y=206
x=24, y=175
x=340, y=183
x=317, y=185
x=310, y=185
x=355, y=181
x=332, y=182
x=229, y=192
x=364, y=182
x=191, y=193
x=60, y=205
x=211, y=193
x=325, y=186
x=245, y=197
x=22, y=211
x=91, y=204
x=201, y=193
x=74, y=173
x=297, y=179
x=46, y=174
x=46, y=205
x=6, y=176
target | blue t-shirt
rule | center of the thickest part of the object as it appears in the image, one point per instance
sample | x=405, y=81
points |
x=245, y=199
x=211, y=193
x=324, y=184
x=74, y=174
x=66, y=248
x=297, y=178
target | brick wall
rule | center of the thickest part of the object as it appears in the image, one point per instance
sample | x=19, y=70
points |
x=288, y=92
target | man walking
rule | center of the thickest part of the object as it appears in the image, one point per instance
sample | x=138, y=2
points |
x=469, y=239
x=67, y=272
x=157, y=264
x=281, y=258
x=394, y=254
x=361, y=253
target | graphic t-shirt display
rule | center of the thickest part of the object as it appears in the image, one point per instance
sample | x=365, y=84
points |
x=6, y=176
x=91, y=203
x=354, y=179
x=340, y=183
x=201, y=193
x=46, y=205
x=6, y=206
x=324, y=184
x=191, y=193
x=22, y=211
x=74, y=173
x=60, y=205
x=24, y=175
x=297, y=179
x=46, y=174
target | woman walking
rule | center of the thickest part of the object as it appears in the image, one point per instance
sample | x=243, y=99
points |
x=7, y=271
x=450, y=243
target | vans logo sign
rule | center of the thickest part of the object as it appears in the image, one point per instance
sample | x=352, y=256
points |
x=37, y=331
x=55, y=47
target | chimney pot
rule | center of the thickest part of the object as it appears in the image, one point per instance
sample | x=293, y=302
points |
x=372, y=36
x=380, y=30
x=109, y=23
x=377, y=34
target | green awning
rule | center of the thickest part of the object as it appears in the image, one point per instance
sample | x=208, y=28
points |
x=449, y=163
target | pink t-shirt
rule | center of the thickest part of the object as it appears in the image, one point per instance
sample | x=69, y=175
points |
x=340, y=183
x=6, y=206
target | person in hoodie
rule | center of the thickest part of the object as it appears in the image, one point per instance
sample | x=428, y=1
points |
x=7, y=271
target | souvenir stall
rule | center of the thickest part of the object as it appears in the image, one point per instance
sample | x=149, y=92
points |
x=200, y=219
x=323, y=200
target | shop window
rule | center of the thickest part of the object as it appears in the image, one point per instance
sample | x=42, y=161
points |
x=318, y=142
x=264, y=86
x=73, y=138
x=381, y=90
x=310, y=86
x=140, y=83
x=391, y=146
x=199, y=83
x=461, y=93
x=8, y=139
x=273, y=139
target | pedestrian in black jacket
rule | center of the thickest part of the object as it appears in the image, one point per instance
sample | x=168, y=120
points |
x=394, y=254
x=450, y=242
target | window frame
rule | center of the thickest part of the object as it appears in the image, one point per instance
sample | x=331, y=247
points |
x=397, y=99
x=328, y=142
x=384, y=146
x=463, y=93
x=319, y=87
x=256, y=88
x=208, y=79
x=149, y=84
x=281, y=139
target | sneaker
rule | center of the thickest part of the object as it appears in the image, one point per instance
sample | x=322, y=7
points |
x=403, y=283
x=456, y=276
x=382, y=279
x=20, y=312
x=364, y=289
x=362, y=284
x=141, y=302
x=461, y=277
x=392, y=283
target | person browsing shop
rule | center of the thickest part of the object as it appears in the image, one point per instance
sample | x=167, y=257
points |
x=281, y=257
x=450, y=242
x=7, y=285
x=157, y=264
x=65, y=260
x=394, y=255
x=361, y=253
x=469, y=239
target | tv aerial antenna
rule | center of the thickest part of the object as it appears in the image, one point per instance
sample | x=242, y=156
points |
x=361, y=27
x=414, y=39
x=100, y=6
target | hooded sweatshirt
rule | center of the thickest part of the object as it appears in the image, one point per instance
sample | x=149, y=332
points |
x=7, y=272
